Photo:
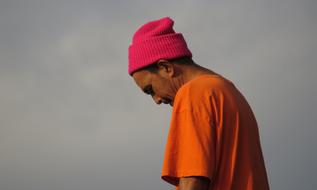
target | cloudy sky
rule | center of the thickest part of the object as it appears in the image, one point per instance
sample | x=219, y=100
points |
x=71, y=118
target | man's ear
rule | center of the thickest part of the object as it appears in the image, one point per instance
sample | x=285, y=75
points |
x=166, y=66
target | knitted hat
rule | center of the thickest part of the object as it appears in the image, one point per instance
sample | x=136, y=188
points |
x=153, y=41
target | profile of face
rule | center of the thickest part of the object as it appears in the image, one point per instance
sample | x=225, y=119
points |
x=159, y=84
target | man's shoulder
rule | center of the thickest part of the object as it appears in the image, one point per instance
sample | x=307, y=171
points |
x=196, y=93
x=199, y=90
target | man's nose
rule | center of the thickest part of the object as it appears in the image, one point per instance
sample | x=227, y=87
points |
x=157, y=99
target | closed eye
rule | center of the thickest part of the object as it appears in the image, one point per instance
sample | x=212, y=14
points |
x=148, y=90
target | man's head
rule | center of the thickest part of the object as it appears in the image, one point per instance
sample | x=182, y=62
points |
x=154, y=55
x=162, y=79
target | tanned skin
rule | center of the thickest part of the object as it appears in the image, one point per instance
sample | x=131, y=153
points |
x=163, y=85
x=169, y=76
x=194, y=183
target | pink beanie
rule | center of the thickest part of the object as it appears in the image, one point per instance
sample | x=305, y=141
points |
x=156, y=40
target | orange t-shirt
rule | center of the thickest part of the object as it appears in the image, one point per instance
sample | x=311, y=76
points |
x=214, y=134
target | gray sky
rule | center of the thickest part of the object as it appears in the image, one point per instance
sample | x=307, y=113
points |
x=71, y=118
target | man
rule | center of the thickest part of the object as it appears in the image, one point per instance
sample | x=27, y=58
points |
x=213, y=141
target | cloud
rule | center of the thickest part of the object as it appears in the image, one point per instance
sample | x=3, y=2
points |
x=72, y=118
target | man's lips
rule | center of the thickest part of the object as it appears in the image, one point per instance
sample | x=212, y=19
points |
x=168, y=101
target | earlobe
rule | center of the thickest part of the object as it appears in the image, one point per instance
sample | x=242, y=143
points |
x=171, y=70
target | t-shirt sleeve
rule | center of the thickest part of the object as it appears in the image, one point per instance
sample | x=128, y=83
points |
x=190, y=147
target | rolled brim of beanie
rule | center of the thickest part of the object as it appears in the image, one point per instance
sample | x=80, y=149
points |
x=149, y=51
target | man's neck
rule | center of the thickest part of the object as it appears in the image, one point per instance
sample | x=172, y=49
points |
x=190, y=72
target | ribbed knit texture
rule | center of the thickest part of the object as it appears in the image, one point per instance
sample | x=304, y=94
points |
x=153, y=41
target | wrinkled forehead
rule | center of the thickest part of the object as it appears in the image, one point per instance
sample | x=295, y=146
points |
x=142, y=78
